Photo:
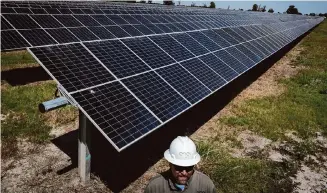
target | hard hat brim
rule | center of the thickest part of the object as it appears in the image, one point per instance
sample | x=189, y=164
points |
x=185, y=163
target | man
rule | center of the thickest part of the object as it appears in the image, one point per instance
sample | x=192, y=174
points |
x=181, y=177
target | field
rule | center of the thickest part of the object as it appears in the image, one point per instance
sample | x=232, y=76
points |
x=272, y=137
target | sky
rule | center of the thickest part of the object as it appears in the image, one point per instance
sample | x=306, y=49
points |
x=278, y=6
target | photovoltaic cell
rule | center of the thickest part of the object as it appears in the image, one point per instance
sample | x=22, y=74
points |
x=46, y=21
x=190, y=44
x=184, y=83
x=230, y=39
x=157, y=95
x=202, y=72
x=240, y=57
x=231, y=61
x=249, y=46
x=204, y=40
x=22, y=10
x=11, y=39
x=103, y=20
x=73, y=66
x=216, y=38
x=52, y=11
x=101, y=32
x=130, y=19
x=7, y=10
x=172, y=47
x=173, y=27
x=64, y=11
x=86, y=20
x=68, y=20
x=131, y=30
x=5, y=25
x=37, y=37
x=117, y=31
x=117, y=19
x=164, y=28
x=154, y=28
x=118, y=58
x=219, y=67
x=149, y=52
x=143, y=29
x=248, y=53
x=119, y=115
x=21, y=21
x=38, y=11
x=83, y=34
x=62, y=35
x=77, y=11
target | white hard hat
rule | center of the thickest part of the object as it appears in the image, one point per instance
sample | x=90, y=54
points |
x=182, y=152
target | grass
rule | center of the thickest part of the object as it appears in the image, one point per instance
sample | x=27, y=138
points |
x=20, y=108
x=245, y=174
x=301, y=109
x=17, y=59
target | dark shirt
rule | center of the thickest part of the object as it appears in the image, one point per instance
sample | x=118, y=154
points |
x=198, y=183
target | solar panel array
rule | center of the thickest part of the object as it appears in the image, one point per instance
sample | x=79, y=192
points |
x=131, y=68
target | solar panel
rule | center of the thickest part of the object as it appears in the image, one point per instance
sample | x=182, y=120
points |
x=156, y=94
x=62, y=35
x=37, y=37
x=191, y=44
x=46, y=21
x=117, y=57
x=231, y=61
x=190, y=87
x=73, y=66
x=204, y=40
x=204, y=73
x=117, y=31
x=117, y=114
x=131, y=68
x=172, y=47
x=149, y=52
x=21, y=21
x=68, y=20
x=11, y=40
x=83, y=33
x=219, y=67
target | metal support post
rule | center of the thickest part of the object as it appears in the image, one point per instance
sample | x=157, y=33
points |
x=84, y=141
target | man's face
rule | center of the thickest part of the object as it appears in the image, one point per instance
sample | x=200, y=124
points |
x=181, y=174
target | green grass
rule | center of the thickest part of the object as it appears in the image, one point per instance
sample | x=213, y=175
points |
x=244, y=175
x=17, y=59
x=19, y=104
x=301, y=108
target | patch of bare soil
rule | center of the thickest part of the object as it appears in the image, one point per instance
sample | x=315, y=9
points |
x=37, y=168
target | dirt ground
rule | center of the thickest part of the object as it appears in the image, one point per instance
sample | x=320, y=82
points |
x=36, y=167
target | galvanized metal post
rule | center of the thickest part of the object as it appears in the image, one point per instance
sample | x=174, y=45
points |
x=84, y=141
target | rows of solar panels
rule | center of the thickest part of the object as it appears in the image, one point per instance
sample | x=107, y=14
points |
x=130, y=73
x=60, y=23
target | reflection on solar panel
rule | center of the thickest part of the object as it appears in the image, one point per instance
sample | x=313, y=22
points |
x=131, y=68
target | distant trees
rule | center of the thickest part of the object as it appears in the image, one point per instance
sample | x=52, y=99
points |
x=168, y=2
x=212, y=5
x=193, y=4
x=263, y=9
x=255, y=7
x=312, y=14
x=292, y=10
x=270, y=10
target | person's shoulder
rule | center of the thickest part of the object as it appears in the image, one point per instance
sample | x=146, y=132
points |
x=201, y=176
x=157, y=178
